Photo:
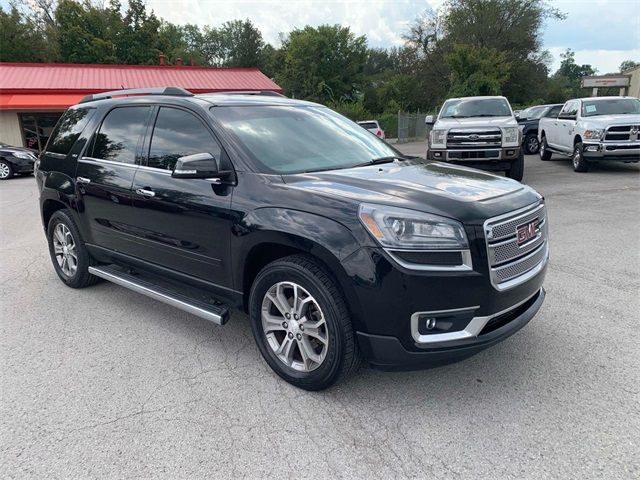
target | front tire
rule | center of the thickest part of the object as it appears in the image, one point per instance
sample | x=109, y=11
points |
x=70, y=257
x=301, y=323
x=545, y=153
x=578, y=161
x=516, y=171
x=531, y=144
x=6, y=170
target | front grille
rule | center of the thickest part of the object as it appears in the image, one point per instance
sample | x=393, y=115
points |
x=622, y=133
x=474, y=138
x=509, y=263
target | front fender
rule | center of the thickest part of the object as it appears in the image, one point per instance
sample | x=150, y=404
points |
x=321, y=237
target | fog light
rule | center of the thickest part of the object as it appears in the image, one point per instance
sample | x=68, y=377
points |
x=592, y=148
x=511, y=152
x=437, y=154
x=430, y=323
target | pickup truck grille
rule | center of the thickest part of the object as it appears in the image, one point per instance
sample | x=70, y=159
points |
x=622, y=133
x=474, y=138
x=511, y=263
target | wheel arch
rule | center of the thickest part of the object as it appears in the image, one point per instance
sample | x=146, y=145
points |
x=577, y=139
x=49, y=207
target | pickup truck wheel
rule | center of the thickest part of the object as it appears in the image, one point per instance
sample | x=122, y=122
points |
x=531, y=144
x=545, y=153
x=579, y=163
x=301, y=323
x=70, y=257
x=516, y=171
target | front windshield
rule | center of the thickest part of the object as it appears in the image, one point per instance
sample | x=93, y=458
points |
x=475, y=107
x=295, y=139
x=535, y=113
x=610, y=106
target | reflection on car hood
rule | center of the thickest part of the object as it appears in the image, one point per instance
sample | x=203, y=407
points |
x=476, y=122
x=428, y=186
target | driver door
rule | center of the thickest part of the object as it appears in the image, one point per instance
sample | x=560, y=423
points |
x=183, y=224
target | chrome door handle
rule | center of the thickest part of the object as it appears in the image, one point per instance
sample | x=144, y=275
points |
x=83, y=180
x=145, y=193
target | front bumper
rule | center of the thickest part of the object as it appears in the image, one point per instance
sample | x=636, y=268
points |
x=609, y=151
x=498, y=158
x=388, y=353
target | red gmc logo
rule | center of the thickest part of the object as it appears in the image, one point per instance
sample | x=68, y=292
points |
x=527, y=231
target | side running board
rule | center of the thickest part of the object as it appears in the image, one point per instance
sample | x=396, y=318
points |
x=218, y=314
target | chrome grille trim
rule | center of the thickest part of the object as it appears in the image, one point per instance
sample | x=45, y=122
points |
x=474, y=138
x=621, y=133
x=511, y=264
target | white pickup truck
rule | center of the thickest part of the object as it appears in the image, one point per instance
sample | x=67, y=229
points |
x=480, y=132
x=593, y=129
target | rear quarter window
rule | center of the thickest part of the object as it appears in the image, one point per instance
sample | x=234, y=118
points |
x=68, y=129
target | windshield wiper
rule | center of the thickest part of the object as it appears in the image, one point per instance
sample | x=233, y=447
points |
x=379, y=161
x=490, y=115
x=457, y=116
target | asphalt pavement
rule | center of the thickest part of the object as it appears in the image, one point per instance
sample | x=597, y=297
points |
x=105, y=383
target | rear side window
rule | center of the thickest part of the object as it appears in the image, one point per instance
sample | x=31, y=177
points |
x=117, y=139
x=553, y=112
x=178, y=133
x=68, y=129
x=368, y=125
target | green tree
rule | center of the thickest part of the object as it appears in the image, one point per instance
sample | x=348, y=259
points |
x=628, y=65
x=23, y=39
x=324, y=63
x=477, y=70
x=573, y=73
x=139, y=40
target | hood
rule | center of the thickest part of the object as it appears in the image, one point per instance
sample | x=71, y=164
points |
x=476, y=122
x=607, y=120
x=10, y=149
x=449, y=190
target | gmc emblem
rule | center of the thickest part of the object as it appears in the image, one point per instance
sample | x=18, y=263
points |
x=527, y=231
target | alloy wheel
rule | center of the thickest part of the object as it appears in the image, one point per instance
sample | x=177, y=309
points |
x=294, y=326
x=532, y=145
x=576, y=157
x=5, y=171
x=64, y=248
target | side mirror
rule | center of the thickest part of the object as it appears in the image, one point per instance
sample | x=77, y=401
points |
x=429, y=120
x=198, y=165
x=521, y=119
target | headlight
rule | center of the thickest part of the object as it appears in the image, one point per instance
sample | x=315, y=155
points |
x=402, y=228
x=25, y=155
x=438, y=138
x=510, y=136
x=595, y=134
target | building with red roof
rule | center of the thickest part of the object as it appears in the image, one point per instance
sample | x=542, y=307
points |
x=34, y=95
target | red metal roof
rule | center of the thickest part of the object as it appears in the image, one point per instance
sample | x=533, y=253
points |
x=63, y=78
x=39, y=101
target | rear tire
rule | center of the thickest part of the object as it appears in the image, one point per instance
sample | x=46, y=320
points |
x=311, y=358
x=70, y=257
x=578, y=161
x=516, y=171
x=545, y=153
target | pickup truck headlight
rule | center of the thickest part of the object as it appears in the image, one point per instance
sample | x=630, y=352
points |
x=438, y=138
x=595, y=134
x=510, y=136
x=409, y=229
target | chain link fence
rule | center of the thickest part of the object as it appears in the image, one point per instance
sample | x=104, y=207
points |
x=411, y=127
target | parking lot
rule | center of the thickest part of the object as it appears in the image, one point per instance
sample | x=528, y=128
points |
x=106, y=383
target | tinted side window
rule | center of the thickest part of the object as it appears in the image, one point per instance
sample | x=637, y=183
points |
x=68, y=129
x=553, y=112
x=178, y=133
x=117, y=139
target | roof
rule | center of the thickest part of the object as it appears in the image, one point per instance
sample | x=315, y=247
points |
x=20, y=79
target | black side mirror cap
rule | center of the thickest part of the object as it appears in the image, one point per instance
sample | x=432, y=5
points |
x=199, y=165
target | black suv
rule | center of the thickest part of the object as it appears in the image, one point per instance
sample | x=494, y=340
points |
x=337, y=245
x=528, y=121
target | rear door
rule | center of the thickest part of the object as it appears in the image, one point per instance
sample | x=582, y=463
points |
x=104, y=176
x=183, y=224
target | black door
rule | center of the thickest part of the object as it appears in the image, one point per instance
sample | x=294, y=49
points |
x=105, y=176
x=183, y=224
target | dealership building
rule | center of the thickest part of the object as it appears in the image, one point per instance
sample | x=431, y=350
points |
x=34, y=95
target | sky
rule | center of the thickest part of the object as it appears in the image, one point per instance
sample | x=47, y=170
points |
x=603, y=33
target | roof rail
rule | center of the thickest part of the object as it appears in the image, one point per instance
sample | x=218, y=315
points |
x=266, y=93
x=175, y=91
